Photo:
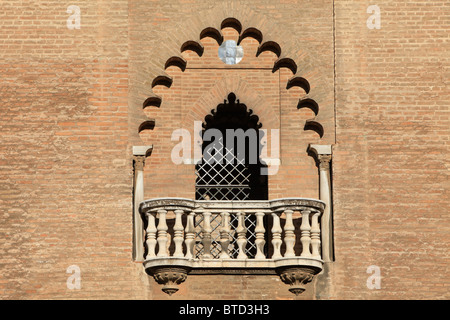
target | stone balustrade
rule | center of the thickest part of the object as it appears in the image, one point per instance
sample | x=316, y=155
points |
x=184, y=236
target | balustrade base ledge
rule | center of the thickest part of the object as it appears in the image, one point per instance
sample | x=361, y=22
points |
x=295, y=271
x=233, y=263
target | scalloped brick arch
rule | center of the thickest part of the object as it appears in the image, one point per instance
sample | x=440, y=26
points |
x=238, y=87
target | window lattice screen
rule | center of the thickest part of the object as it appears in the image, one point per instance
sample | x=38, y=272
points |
x=224, y=175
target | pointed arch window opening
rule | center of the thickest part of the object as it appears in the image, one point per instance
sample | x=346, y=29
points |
x=225, y=174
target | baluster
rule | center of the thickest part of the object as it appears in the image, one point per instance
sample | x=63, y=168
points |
x=190, y=236
x=241, y=236
x=162, y=234
x=225, y=235
x=259, y=231
x=305, y=232
x=315, y=235
x=151, y=236
x=178, y=234
x=276, y=236
x=169, y=239
x=289, y=236
x=206, y=231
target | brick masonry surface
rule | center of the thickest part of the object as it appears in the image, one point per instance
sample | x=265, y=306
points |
x=72, y=105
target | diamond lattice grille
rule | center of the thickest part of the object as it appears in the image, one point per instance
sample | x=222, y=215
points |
x=223, y=176
x=216, y=248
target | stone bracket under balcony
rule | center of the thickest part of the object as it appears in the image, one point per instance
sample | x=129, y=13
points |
x=185, y=237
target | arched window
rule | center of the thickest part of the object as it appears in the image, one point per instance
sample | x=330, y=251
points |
x=231, y=169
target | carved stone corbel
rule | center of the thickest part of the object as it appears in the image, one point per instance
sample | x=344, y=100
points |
x=297, y=277
x=170, y=277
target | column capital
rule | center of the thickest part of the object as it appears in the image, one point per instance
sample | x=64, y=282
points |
x=324, y=161
x=139, y=163
x=139, y=155
x=322, y=153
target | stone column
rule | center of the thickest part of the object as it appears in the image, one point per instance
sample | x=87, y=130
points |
x=139, y=155
x=323, y=155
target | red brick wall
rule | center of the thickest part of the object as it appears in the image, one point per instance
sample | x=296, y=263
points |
x=391, y=157
x=72, y=105
x=65, y=174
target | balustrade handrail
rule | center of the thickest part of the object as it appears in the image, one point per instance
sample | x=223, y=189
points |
x=185, y=237
x=233, y=205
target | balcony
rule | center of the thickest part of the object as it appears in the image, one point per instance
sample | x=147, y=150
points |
x=279, y=237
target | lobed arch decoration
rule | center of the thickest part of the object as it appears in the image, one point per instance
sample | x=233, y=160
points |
x=296, y=270
x=155, y=101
